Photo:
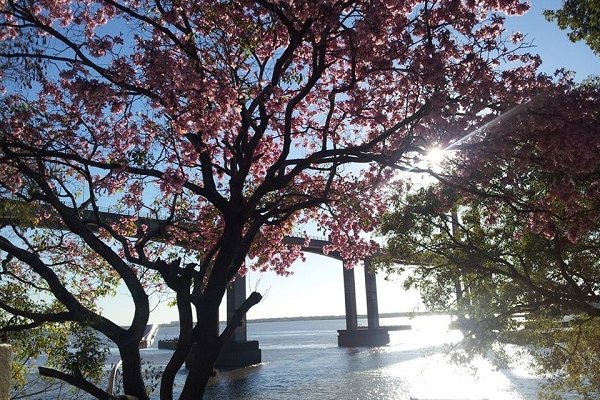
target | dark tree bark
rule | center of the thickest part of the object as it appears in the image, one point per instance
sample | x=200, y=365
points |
x=133, y=381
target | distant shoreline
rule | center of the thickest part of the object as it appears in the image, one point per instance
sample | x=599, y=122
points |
x=407, y=314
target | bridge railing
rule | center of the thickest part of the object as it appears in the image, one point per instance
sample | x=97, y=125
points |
x=301, y=234
x=117, y=211
x=114, y=209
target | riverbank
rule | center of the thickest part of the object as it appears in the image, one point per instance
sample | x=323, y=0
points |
x=407, y=314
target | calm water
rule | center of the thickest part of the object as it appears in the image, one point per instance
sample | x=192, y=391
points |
x=301, y=360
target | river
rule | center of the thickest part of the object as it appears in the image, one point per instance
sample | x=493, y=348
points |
x=301, y=361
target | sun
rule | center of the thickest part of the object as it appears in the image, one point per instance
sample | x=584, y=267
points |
x=435, y=156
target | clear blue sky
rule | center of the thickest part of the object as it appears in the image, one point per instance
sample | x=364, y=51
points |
x=316, y=287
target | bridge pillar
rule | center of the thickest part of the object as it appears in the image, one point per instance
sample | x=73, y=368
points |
x=353, y=335
x=350, y=299
x=371, y=292
x=236, y=295
x=239, y=352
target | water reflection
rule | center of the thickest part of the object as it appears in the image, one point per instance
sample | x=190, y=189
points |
x=305, y=363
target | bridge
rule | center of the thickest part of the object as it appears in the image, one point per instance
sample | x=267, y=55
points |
x=240, y=352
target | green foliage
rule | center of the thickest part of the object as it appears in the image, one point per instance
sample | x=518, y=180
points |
x=16, y=210
x=83, y=355
x=477, y=258
x=509, y=239
x=69, y=348
x=572, y=353
x=582, y=18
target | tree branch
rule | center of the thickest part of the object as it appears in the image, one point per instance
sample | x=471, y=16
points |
x=77, y=381
x=238, y=316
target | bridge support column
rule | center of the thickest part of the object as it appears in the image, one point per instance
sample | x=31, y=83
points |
x=236, y=295
x=239, y=352
x=350, y=299
x=354, y=336
x=371, y=292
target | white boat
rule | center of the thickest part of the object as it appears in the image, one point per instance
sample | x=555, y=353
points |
x=149, y=335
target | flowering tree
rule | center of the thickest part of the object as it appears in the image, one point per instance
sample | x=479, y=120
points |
x=512, y=231
x=225, y=123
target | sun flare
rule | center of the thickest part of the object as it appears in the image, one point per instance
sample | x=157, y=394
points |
x=435, y=156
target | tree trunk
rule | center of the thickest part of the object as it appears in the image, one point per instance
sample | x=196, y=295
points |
x=206, y=344
x=205, y=354
x=184, y=343
x=205, y=351
x=133, y=381
x=201, y=369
